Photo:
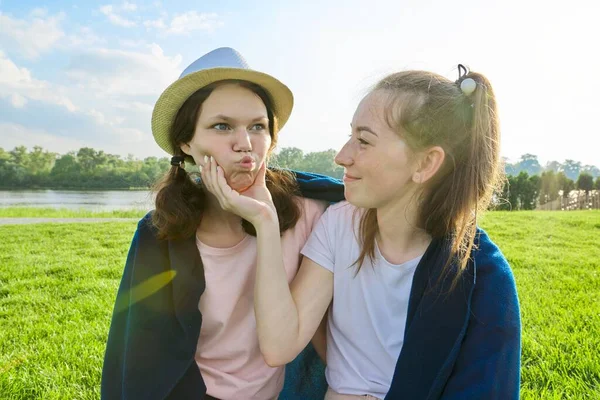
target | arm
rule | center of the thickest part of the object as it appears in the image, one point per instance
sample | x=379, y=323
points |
x=319, y=340
x=287, y=317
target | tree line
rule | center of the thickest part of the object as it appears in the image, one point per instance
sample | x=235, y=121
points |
x=88, y=168
x=528, y=184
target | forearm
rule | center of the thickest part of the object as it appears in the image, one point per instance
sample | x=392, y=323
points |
x=319, y=340
x=276, y=312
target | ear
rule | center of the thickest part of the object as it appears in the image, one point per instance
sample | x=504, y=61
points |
x=185, y=148
x=429, y=164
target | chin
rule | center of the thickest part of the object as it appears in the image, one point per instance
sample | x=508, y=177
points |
x=358, y=199
x=239, y=182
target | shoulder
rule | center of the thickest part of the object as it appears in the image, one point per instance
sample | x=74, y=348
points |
x=492, y=265
x=146, y=231
x=341, y=219
x=495, y=296
x=146, y=222
x=311, y=207
x=310, y=212
x=343, y=210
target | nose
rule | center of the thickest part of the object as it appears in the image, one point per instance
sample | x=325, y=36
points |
x=242, y=141
x=345, y=156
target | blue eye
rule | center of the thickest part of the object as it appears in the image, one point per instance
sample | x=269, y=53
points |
x=221, y=126
x=258, y=127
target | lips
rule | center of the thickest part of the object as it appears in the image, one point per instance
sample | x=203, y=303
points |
x=350, y=178
x=246, y=162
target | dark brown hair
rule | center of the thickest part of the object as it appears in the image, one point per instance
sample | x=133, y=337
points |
x=180, y=198
x=428, y=110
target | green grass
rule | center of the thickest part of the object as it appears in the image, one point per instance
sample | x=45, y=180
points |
x=58, y=283
x=32, y=212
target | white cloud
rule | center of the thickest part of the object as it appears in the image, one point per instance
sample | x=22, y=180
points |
x=14, y=135
x=33, y=36
x=128, y=6
x=132, y=43
x=18, y=85
x=110, y=72
x=39, y=12
x=115, y=18
x=135, y=106
x=184, y=24
x=155, y=23
x=84, y=37
x=192, y=21
x=17, y=100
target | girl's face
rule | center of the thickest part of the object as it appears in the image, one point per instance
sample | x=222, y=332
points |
x=233, y=128
x=377, y=163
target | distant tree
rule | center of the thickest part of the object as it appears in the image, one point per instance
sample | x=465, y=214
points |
x=322, y=162
x=521, y=191
x=591, y=170
x=597, y=183
x=585, y=182
x=565, y=184
x=288, y=157
x=20, y=156
x=509, y=169
x=571, y=169
x=4, y=155
x=513, y=189
x=41, y=161
x=500, y=200
x=529, y=190
x=530, y=164
x=549, y=187
x=553, y=166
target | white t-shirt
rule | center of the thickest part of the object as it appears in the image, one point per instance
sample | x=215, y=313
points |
x=365, y=329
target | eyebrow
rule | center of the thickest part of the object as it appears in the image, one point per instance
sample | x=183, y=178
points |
x=229, y=119
x=365, y=129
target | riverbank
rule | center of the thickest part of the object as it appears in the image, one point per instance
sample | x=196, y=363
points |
x=34, y=212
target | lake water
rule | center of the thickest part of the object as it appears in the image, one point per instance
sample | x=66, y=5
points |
x=89, y=200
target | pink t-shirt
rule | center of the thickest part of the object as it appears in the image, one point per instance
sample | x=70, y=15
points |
x=228, y=354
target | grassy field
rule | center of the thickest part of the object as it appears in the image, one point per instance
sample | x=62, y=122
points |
x=58, y=282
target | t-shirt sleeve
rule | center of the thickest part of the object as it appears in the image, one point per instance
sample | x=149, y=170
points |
x=320, y=246
x=314, y=211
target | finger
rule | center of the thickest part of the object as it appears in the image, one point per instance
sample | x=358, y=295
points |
x=226, y=191
x=217, y=190
x=261, y=176
x=206, y=178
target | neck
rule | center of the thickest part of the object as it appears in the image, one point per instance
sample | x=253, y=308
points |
x=399, y=236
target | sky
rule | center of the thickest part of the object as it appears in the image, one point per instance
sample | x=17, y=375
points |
x=75, y=74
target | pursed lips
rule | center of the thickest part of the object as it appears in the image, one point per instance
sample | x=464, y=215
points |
x=246, y=162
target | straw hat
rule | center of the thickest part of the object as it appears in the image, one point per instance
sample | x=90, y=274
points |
x=220, y=64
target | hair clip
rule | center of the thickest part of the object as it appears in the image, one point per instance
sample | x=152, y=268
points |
x=468, y=85
x=462, y=72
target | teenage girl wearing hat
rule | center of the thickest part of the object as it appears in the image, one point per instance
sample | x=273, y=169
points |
x=183, y=325
x=424, y=303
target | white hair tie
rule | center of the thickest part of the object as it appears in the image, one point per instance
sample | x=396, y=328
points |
x=468, y=86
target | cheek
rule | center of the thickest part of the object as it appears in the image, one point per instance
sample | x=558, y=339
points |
x=261, y=146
